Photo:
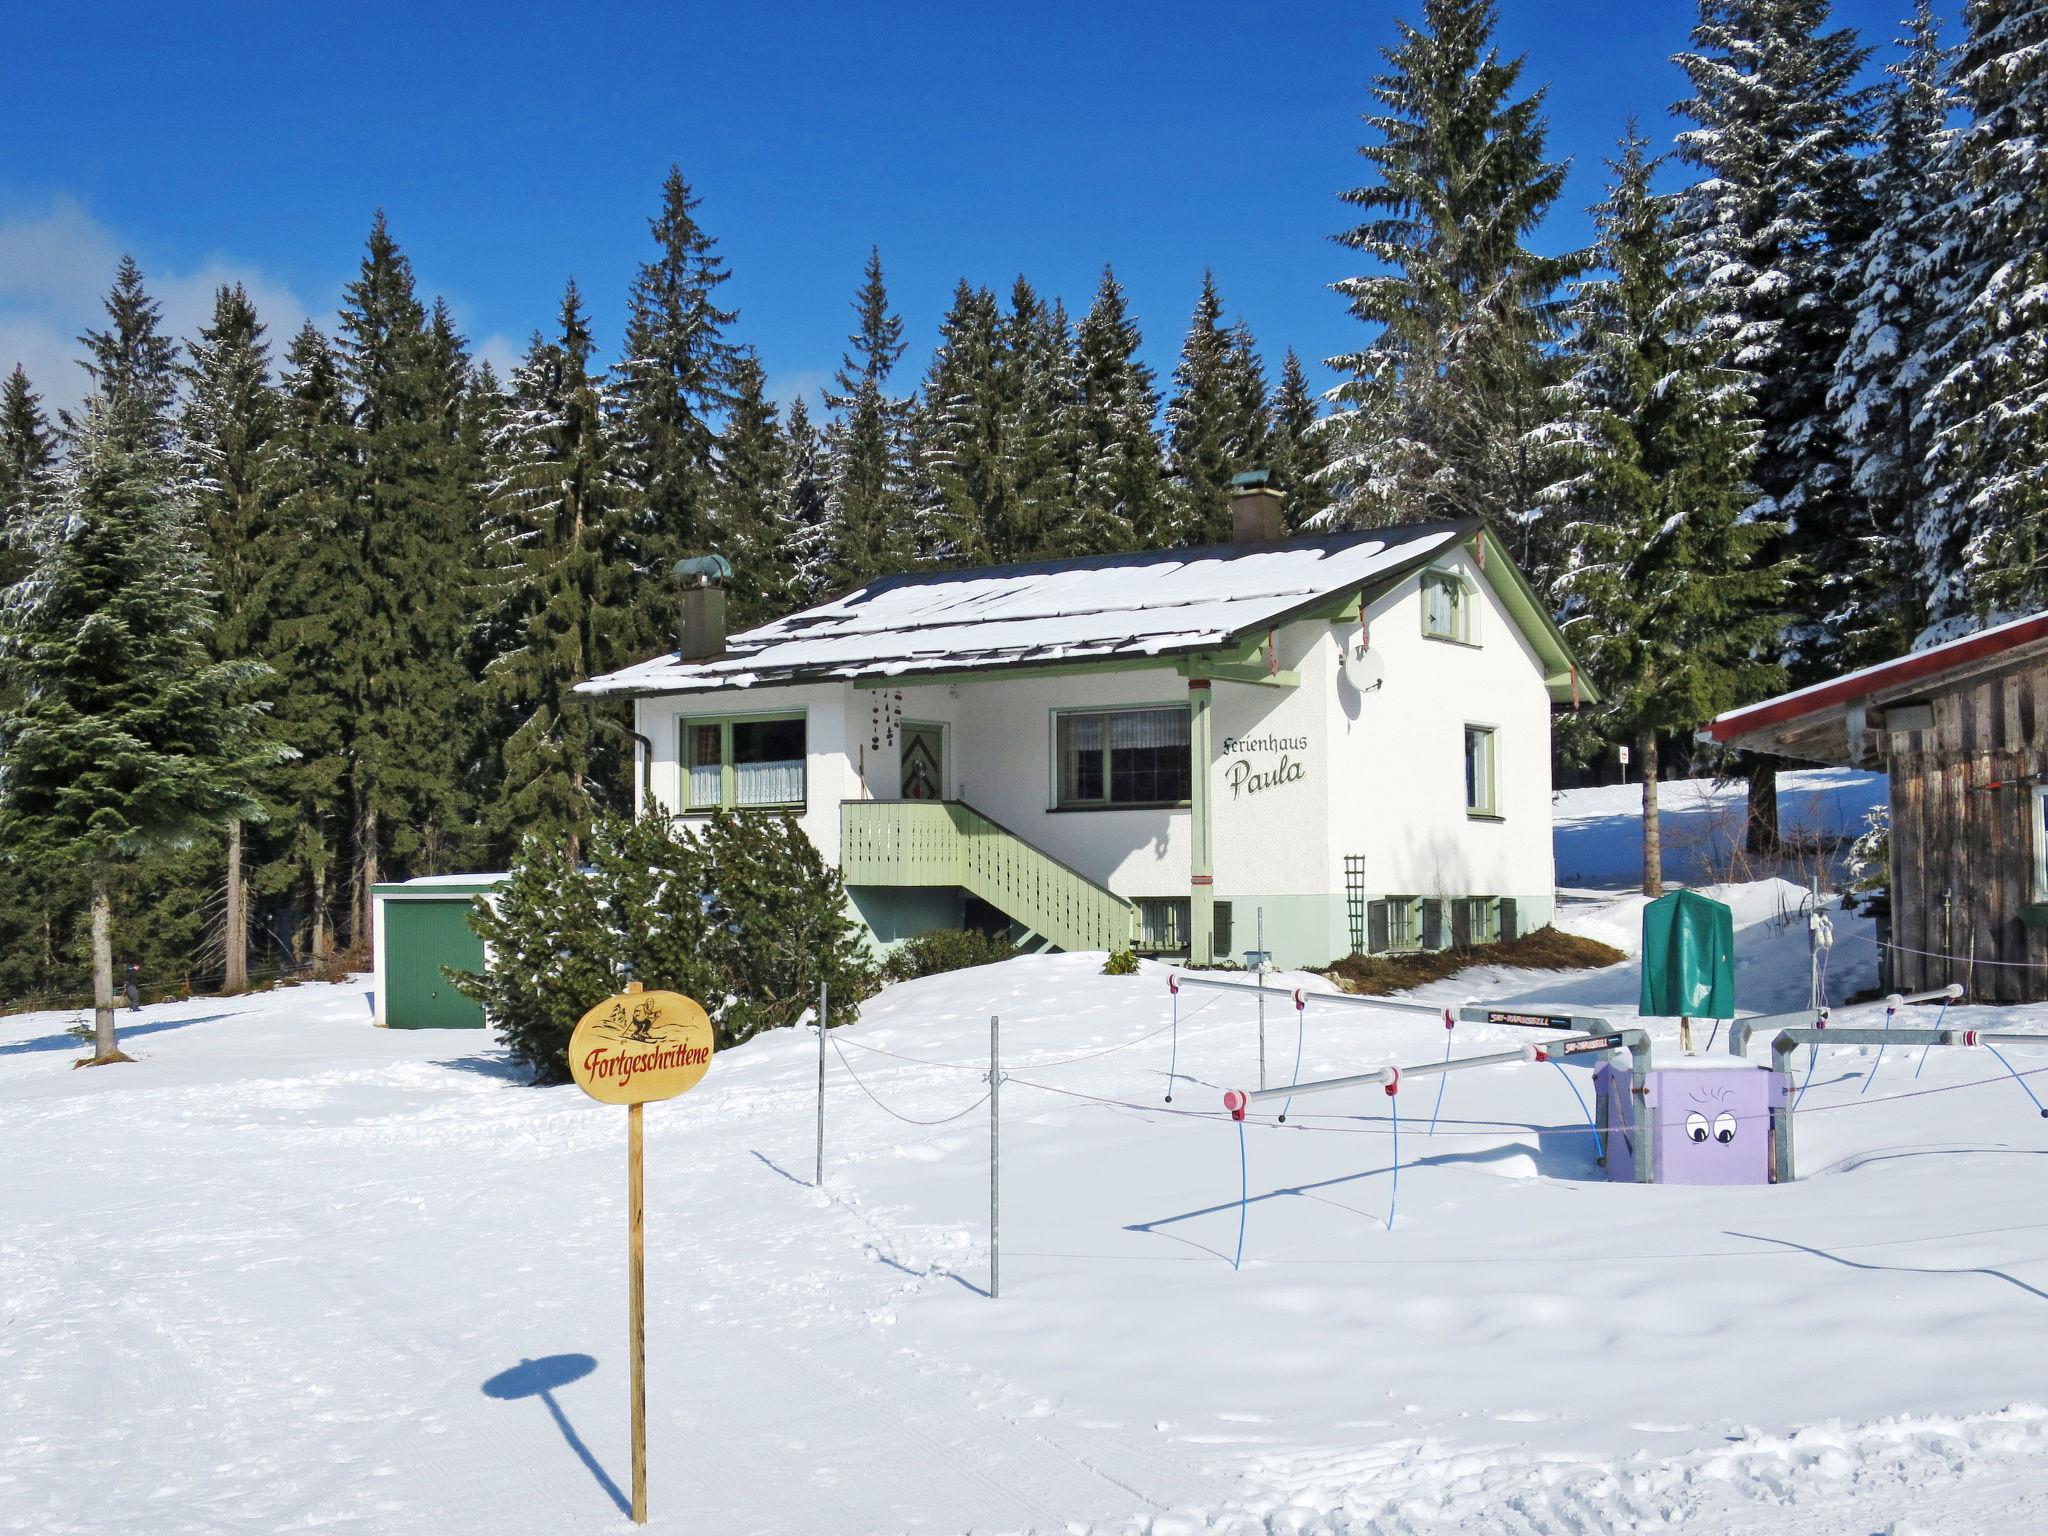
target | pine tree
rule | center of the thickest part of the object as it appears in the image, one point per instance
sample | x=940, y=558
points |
x=1869, y=577
x=1216, y=420
x=749, y=504
x=1765, y=236
x=230, y=416
x=1300, y=451
x=28, y=452
x=1669, y=595
x=1435, y=416
x=674, y=383
x=1985, y=531
x=960, y=428
x=28, y=448
x=1120, y=500
x=560, y=507
x=132, y=364
x=315, y=571
x=124, y=732
x=400, y=652
x=869, y=506
x=805, y=540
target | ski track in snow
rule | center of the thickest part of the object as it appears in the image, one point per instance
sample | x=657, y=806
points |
x=258, y=1282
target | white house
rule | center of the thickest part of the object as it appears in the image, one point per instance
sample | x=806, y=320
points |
x=1346, y=737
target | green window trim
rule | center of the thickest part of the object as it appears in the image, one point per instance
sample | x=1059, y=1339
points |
x=705, y=743
x=1067, y=786
x=1482, y=771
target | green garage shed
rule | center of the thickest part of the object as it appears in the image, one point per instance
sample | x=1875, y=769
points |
x=421, y=926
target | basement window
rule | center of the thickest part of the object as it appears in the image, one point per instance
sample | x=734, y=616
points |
x=1162, y=925
x=1125, y=757
x=745, y=762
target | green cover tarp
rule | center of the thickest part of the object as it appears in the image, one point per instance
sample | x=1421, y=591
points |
x=1688, y=958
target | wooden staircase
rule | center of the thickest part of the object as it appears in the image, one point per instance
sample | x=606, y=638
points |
x=949, y=843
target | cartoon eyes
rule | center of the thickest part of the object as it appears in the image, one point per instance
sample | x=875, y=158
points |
x=1723, y=1128
x=1695, y=1126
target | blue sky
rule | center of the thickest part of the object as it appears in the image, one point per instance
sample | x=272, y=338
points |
x=514, y=144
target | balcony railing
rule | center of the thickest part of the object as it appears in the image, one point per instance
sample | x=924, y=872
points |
x=946, y=842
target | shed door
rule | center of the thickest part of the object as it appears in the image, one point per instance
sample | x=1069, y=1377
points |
x=420, y=937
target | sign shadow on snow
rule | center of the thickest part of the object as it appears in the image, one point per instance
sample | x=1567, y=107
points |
x=540, y=1378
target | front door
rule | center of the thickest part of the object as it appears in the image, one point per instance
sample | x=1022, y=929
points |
x=924, y=761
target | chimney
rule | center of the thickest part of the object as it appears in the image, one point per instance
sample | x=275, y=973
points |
x=701, y=621
x=1254, y=508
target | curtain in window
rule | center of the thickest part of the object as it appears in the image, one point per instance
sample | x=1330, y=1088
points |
x=767, y=762
x=706, y=765
x=1148, y=756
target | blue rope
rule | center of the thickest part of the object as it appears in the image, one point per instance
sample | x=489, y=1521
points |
x=1300, y=1033
x=1394, y=1194
x=1712, y=1035
x=1173, y=1060
x=2017, y=1078
x=1599, y=1141
x=1244, y=1193
x=1930, y=1044
x=1877, y=1059
x=1812, y=1061
x=1441, y=1082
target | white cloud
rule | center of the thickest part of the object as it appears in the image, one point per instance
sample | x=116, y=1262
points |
x=501, y=352
x=56, y=264
x=784, y=386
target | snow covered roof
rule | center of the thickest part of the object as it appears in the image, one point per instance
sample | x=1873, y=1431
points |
x=1144, y=606
x=1811, y=724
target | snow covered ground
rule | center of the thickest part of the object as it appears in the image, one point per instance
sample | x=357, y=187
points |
x=1600, y=831
x=291, y=1273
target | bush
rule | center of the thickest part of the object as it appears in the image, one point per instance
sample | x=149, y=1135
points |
x=945, y=949
x=1121, y=962
x=744, y=917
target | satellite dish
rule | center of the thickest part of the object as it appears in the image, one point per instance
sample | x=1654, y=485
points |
x=1364, y=668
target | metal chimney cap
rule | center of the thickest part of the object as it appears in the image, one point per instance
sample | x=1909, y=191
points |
x=704, y=570
x=1252, y=480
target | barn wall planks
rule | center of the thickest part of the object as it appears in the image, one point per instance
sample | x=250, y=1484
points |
x=1963, y=853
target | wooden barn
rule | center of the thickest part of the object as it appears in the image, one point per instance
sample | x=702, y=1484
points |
x=1962, y=730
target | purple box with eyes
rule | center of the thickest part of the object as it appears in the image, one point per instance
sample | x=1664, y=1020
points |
x=1711, y=1120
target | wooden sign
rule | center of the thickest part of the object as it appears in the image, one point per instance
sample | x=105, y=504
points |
x=634, y=1049
x=641, y=1048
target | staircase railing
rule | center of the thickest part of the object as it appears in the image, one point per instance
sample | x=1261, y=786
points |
x=947, y=842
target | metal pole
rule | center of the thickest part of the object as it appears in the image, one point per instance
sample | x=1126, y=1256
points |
x=995, y=1156
x=824, y=996
x=1262, y=1025
x=636, y=1292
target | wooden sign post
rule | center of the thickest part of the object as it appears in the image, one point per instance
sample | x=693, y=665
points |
x=636, y=1049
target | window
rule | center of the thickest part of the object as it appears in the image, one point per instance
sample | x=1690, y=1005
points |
x=1446, y=607
x=1394, y=923
x=750, y=763
x=1122, y=757
x=1472, y=921
x=1162, y=924
x=1480, y=799
x=2041, y=842
x=1222, y=930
